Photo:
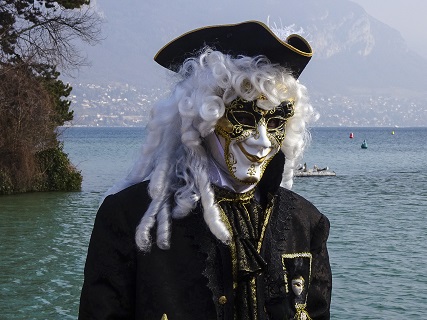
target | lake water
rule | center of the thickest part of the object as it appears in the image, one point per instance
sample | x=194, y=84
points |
x=377, y=206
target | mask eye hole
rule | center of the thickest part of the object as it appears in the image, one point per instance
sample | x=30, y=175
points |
x=275, y=122
x=244, y=118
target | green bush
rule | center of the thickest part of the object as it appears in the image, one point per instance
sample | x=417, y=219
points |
x=58, y=174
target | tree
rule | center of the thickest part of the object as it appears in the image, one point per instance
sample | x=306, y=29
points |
x=37, y=38
x=45, y=31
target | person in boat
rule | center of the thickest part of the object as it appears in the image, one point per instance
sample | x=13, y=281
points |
x=205, y=226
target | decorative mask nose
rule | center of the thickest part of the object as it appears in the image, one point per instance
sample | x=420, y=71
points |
x=260, y=139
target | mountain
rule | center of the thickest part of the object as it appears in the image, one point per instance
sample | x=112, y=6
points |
x=356, y=57
x=353, y=51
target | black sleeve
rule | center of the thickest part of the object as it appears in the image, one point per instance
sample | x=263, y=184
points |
x=109, y=278
x=319, y=296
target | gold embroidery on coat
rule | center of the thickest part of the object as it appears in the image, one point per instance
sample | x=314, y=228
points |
x=253, y=293
x=264, y=226
x=301, y=313
x=243, y=197
x=232, y=245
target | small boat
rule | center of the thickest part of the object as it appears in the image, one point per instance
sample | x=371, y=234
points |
x=364, y=145
x=315, y=172
x=311, y=173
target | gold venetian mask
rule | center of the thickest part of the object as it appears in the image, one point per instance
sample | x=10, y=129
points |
x=252, y=136
x=242, y=118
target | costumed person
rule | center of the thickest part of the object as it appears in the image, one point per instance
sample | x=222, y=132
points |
x=201, y=228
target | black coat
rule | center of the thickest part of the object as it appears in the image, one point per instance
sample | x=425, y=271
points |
x=193, y=279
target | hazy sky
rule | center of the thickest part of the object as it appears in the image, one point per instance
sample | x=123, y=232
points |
x=124, y=39
x=407, y=16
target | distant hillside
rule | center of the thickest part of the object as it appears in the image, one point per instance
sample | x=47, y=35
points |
x=362, y=72
x=353, y=51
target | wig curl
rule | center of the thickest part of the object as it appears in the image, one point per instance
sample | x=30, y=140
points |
x=177, y=165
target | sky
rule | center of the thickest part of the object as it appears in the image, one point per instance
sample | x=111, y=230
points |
x=406, y=16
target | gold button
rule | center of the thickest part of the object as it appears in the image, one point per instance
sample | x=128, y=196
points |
x=222, y=300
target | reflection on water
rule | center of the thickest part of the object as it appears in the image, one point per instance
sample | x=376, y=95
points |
x=42, y=238
x=377, y=244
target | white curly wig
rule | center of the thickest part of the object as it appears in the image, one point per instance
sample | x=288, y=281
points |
x=176, y=165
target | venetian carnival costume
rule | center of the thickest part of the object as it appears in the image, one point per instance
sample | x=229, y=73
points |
x=231, y=242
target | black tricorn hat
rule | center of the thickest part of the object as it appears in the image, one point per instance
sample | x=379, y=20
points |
x=250, y=38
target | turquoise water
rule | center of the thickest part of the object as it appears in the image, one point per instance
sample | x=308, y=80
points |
x=376, y=203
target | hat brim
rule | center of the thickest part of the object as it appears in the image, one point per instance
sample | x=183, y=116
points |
x=250, y=38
